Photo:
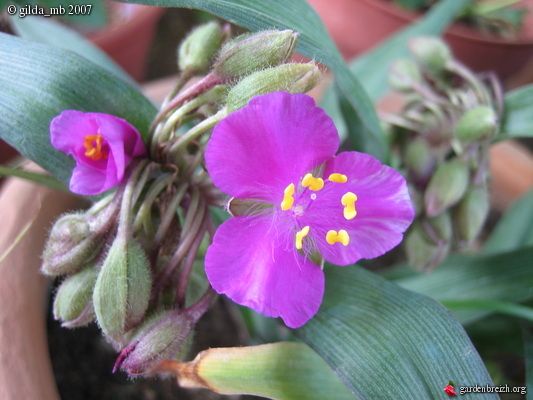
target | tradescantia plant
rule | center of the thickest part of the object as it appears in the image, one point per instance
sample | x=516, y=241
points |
x=238, y=132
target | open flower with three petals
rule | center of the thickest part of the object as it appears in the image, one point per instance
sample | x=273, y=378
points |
x=297, y=204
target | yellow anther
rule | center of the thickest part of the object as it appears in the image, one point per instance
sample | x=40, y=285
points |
x=288, y=200
x=93, y=144
x=314, y=184
x=339, y=178
x=342, y=236
x=300, y=235
x=348, y=201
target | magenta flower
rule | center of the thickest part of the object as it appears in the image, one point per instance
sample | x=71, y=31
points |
x=277, y=155
x=102, y=146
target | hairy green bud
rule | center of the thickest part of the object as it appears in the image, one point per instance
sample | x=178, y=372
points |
x=471, y=213
x=199, y=47
x=439, y=228
x=404, y=74
x=159, y=338
x=446, y=187
x=73, y=300
x=479, y=123
x=422, y=253
x=419, y=158
x=292, y=78
x=431, y=52
x=252, y=52
x=70, y=245
x=122, y=290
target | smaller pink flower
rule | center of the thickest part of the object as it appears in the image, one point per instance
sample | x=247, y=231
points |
x=102, y=146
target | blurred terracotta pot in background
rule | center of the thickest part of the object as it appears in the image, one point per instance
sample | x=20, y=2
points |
x=358, y=25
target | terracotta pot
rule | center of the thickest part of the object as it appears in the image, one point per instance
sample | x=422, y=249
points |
x=358, y=25
x=25, y=371
x=128, y=39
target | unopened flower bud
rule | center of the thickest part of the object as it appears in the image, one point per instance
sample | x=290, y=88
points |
x=404, y=74
x=251, y=52
x=417, y=199
x=480, y=123
x=292, y=78
x=70, y=245
x=159, y=338
x=423, y=254
x=431, y=52
x=199, y=47
x=122, y=289
x=73, y=301
x=439, y=228
x=419, y=158
x=471, y=213
x=446, y=187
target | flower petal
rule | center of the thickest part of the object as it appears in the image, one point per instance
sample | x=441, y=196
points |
x=69, y=131
x=254, y=266
x=257, y=151
x=88, y=181
x=384, y=209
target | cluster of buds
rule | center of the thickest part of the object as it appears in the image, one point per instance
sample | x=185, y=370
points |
x=131, y=261
x=443, y=134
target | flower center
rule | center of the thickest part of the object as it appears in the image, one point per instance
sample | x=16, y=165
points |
x=94, y=145
x=316, y=184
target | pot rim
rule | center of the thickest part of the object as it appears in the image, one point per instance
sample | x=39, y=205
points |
x=456, y=30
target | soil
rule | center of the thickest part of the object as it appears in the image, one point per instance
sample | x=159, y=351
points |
x=82, y=361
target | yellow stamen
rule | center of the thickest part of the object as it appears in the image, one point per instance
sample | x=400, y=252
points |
x=288, y=200
x=300, y=235
x=348, y=201
x=93, y=144
x=333, y=237
x=314, y=184
x=339, y=178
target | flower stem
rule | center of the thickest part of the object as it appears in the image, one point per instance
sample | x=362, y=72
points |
x=202, y=85
x=198, y=309
x=124, y=226
x=187, y=267
x=170, y=213
x=191, y=229
x=144, y=213
x=197, y=131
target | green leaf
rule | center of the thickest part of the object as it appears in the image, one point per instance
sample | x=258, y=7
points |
x=50, y=32
x=314, y=42
x=505, y=277
x=518, y=113
x=285, y=371
x=514, y=229
x=38, y=82
x=528, y=352
x=372, y=68
x=42, y=179
x=386, y=342
x=498, y=307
